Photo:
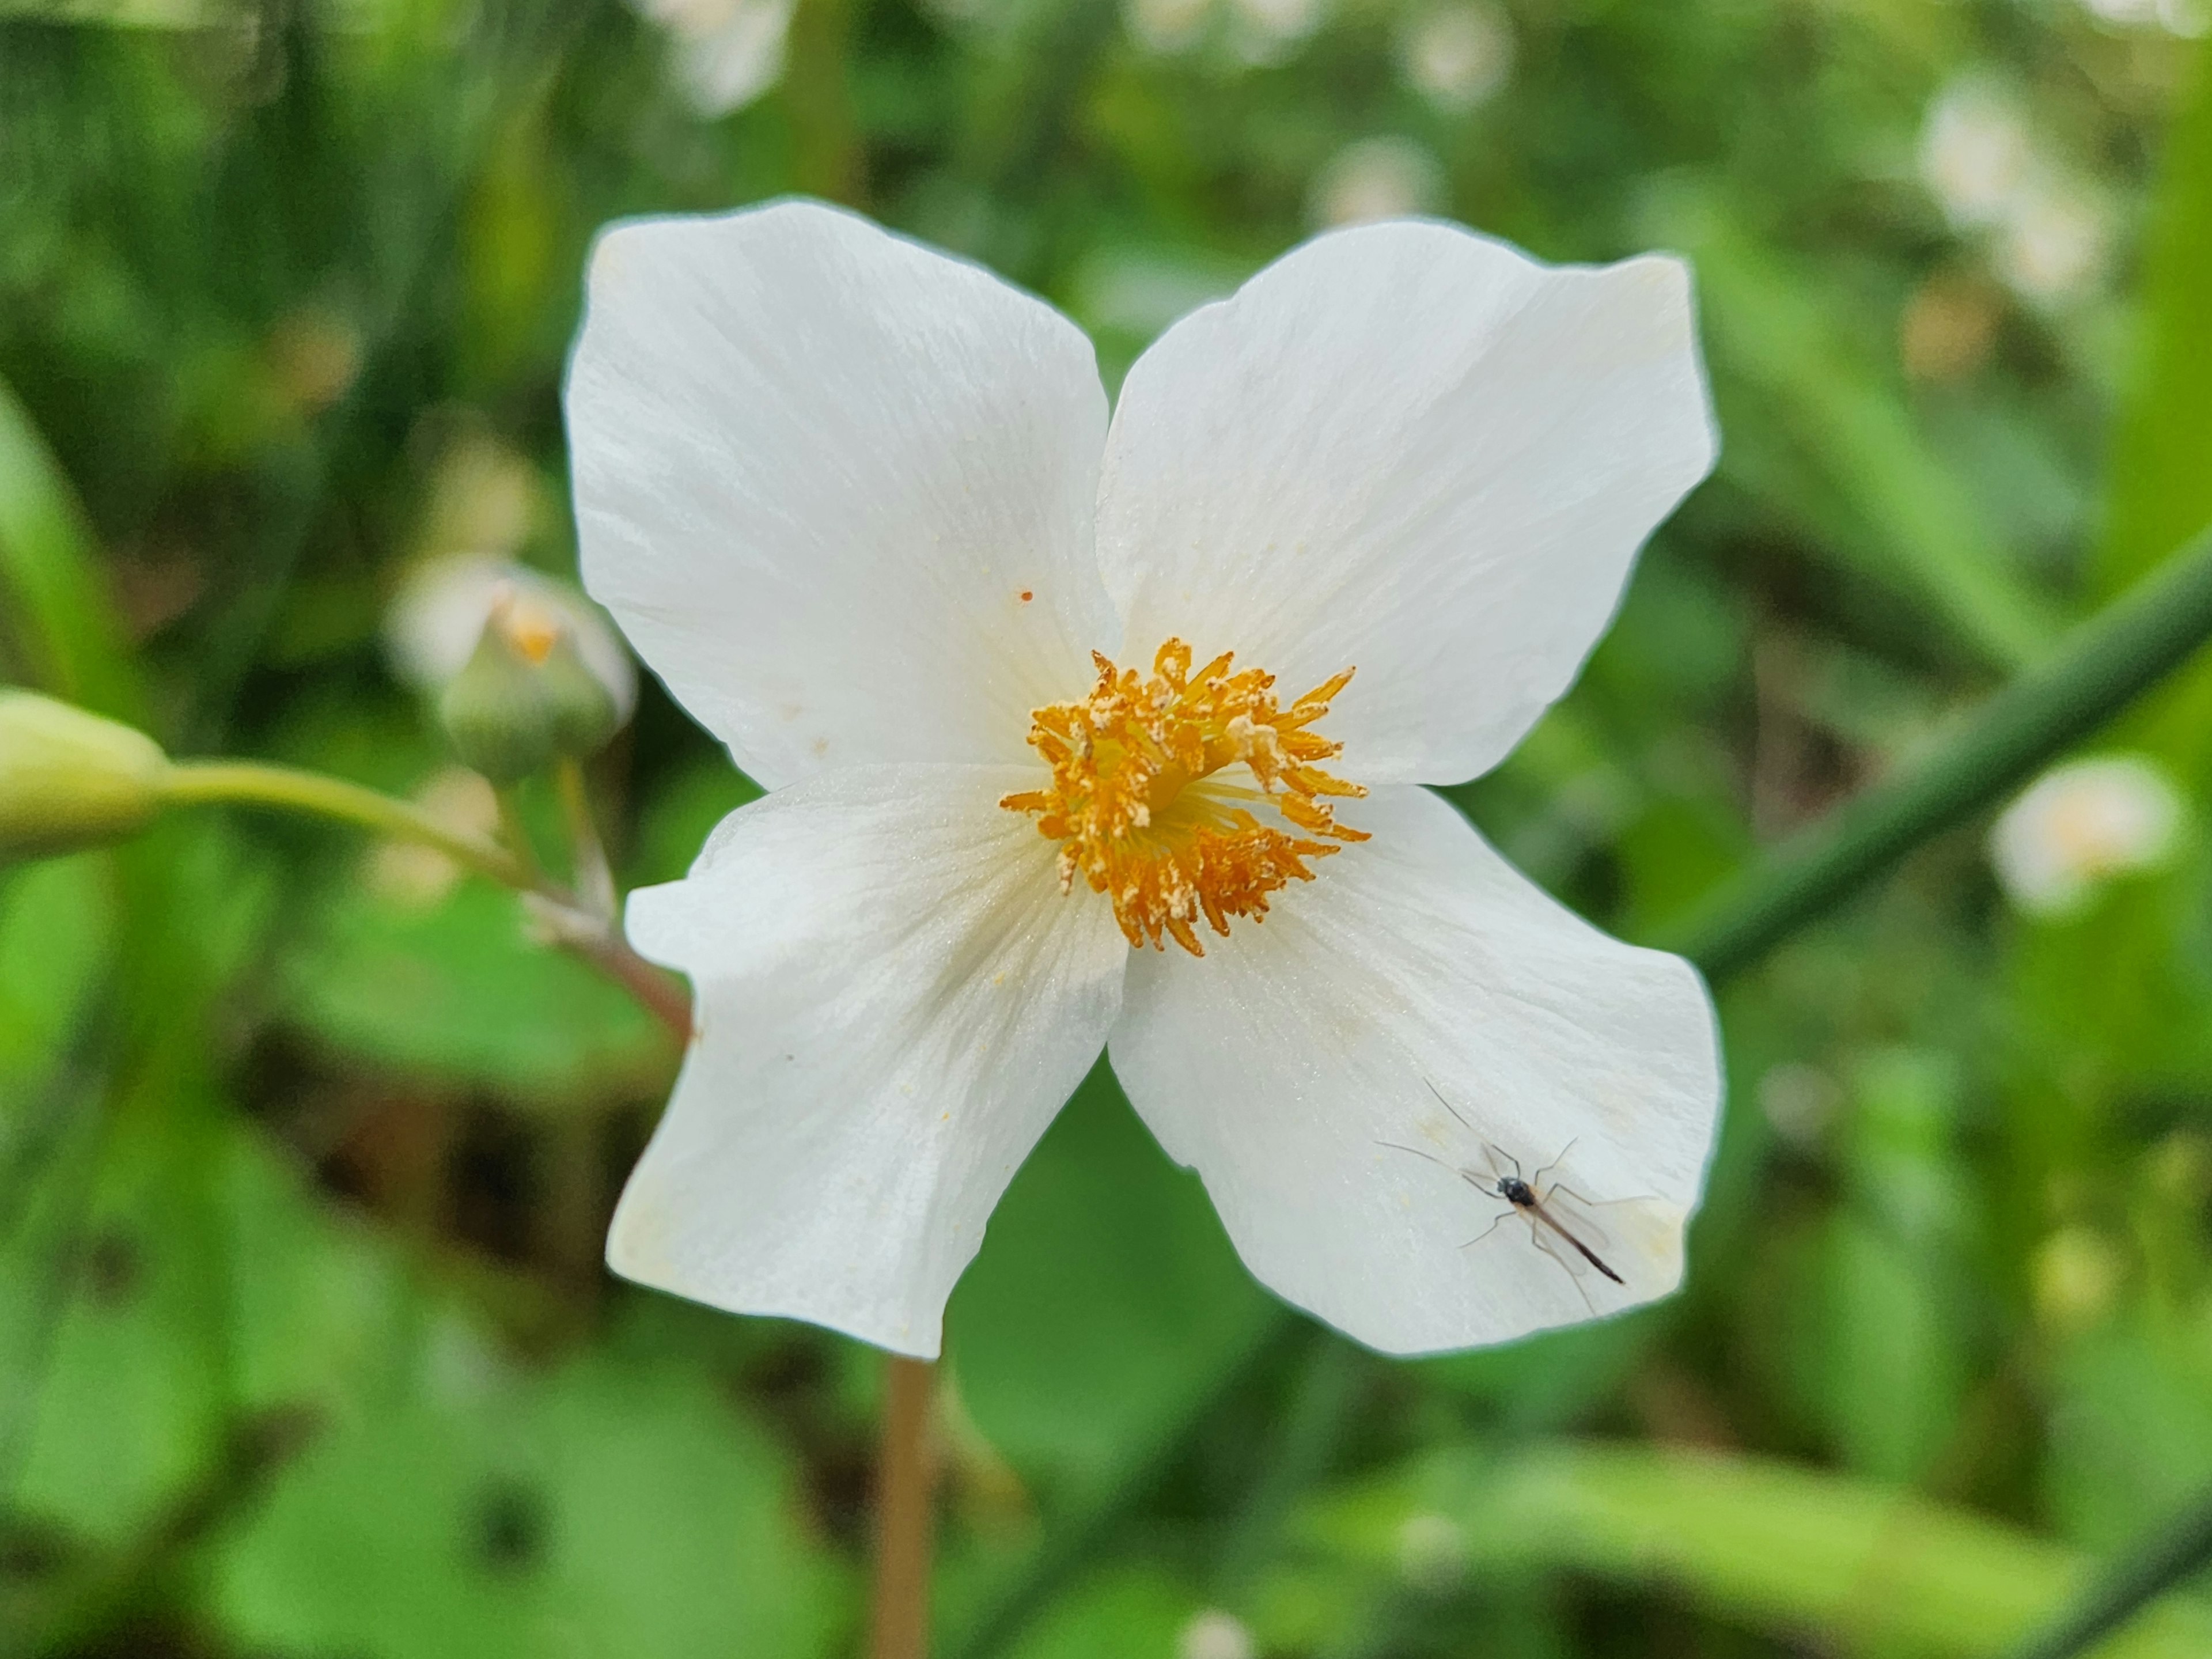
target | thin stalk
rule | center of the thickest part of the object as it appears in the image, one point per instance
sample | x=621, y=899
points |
x=516, y=834
x=2173, y=1551
x=589, y=870
x=253, y=783
x=2101, y=667
x=663, y=996
x=904, y=1481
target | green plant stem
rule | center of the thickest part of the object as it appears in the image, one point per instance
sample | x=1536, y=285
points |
x=1776, y=1546
x=2102, y=666
x=285, y=788
x=253, y=783
x=1331, y=1382
x=2172, y=1552
x=589, y=870
x=515, y=832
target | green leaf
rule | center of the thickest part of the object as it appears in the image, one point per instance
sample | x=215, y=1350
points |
x=457, y=992
x=1818, y=428
x=1778, y=1549
x=1105, y=1310
x=130, y=1385
x=1137, y=1607
x=2161, y=456
x=1105, y=1301
x=51, y=579
x=599, y=1510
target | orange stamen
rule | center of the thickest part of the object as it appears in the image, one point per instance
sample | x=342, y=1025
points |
x=1138, y=811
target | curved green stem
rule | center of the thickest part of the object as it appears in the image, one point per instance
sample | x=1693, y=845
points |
x=253, y=783
x=2165, y=1555
x=1772, y=1546
x=2104, y=666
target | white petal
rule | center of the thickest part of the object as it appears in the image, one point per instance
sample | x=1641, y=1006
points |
x=1421, y=959
x=838, y=489
x=894, y=999
x=1416, y=452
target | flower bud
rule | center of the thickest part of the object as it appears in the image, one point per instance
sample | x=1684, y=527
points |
x=69, y=779
x=496, y=711
x=526, y=694
x=441, y=614
x=584, y=712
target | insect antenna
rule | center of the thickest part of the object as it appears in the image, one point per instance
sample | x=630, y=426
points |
x=1453, y=1109
x=1418, y=1152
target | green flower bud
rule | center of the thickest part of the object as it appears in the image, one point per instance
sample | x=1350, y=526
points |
x=584, y=712
x=69, y=779
x=496, y=711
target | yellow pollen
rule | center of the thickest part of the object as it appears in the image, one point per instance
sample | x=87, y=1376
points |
x=1140, y=813
x=531, y=628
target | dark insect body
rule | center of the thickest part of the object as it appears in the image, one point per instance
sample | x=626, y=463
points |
x=1523, y=1197
x=1533, y=1205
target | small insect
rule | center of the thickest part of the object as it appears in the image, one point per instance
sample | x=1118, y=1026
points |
x=1549, y=1226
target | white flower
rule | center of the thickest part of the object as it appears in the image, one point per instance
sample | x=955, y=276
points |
x=2080, y=824
x=2186, y=18
x=1376, y=179
x=1458, y=57
x=1213, y=1634
x=1975, y=154
x=860, y=506
x=432, y=626
x=1266, y=30
x=728, y=52
x=2056, y=244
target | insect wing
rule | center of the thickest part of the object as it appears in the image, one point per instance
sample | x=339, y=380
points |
x=1593, y=1224
x=1639, y=1239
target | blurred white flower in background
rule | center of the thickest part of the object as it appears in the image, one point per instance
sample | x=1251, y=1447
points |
x=1975, y=152
x=2050, y=236
x=2056, y=244
x=2081, y=823
x=1458, y=57
x=434, y=625
x=2186, y=18
x=728, y=52
x=1258, y=31
x=1214, y=1634
x=1264, y=31
x=1377, y=178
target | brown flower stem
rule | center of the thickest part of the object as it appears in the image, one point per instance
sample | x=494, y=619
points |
x=905, y=1475
x=664, y=996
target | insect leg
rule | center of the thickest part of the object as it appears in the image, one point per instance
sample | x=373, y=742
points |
x=1554, y=1163
x=1491, y=1229
x=1544, y=1243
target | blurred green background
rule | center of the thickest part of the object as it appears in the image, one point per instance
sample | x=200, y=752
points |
x=306, y=1151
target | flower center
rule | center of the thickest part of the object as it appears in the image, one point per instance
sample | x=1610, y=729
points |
x=1138, y=808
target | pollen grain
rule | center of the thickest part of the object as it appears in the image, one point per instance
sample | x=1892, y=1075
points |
x=1141, y=813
